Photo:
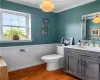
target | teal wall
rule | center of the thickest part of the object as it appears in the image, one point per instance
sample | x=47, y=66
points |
x=37, y=16
x=69, y=21
x=0, y=3
x=63, y=24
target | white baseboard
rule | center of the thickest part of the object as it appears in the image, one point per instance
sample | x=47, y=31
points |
x=26, y=66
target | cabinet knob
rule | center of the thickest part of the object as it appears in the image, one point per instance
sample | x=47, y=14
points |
x=83, y=55
x=80, y=61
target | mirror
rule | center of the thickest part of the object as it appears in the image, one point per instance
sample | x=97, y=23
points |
x=91, y=26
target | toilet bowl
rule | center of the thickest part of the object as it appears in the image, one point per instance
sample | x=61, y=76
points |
x=54, y=61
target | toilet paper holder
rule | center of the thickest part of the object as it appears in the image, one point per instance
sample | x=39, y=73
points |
x=24, y=50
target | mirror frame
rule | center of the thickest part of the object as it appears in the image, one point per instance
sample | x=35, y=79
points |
x=84, y=18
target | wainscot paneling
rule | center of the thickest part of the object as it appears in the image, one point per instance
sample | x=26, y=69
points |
x=17, y=59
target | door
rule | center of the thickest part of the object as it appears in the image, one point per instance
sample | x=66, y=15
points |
x=90, y=69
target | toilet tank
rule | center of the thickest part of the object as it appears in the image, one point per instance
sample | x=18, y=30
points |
x=60, y=50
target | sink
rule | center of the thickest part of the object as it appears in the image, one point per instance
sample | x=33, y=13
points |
x=78, y=46
x=89, y=48
x=92, y=48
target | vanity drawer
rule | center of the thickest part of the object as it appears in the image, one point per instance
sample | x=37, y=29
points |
x=83, y=53
x=73, y=50
x=90, y=55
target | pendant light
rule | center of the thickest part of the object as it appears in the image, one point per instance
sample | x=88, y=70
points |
x=96, y=19
x=47, y=6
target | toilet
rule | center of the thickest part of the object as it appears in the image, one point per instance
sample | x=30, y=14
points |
x=54, y=61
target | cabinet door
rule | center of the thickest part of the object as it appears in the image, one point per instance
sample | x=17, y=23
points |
x=65, y=60
x=91, y=70
x=73, y=64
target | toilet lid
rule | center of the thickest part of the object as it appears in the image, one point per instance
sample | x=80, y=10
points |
x=53, y=56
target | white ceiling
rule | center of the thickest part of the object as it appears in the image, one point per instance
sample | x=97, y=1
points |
x=60, y=5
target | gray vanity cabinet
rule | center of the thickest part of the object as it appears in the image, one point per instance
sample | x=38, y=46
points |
x=82, y=64
x=72, y=63
x=90, y=69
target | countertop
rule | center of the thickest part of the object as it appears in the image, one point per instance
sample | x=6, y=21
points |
x=87, y=48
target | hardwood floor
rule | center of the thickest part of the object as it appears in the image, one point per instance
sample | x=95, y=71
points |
x=39, y=73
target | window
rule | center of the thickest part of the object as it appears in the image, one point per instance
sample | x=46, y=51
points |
x=14, y=26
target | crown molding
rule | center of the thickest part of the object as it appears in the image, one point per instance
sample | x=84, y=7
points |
x=79, y=4
x=59, y=10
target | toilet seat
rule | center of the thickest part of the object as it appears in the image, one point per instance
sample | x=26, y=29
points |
x=53, y=56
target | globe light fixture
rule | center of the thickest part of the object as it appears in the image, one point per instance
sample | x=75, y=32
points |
x=47, y=6
x=96, y=19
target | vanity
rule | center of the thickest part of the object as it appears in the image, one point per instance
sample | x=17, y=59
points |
x=82, y=62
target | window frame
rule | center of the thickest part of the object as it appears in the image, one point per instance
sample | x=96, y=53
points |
x=28, y=25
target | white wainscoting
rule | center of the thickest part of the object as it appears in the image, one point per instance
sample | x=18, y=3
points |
x=31, y=57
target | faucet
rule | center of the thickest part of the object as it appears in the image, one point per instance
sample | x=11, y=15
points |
x=93, y=40
x=86, y=43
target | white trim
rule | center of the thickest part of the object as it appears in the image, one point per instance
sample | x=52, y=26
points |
x=55, y=11
x=28, y=25
x=26, y=66
x=32, y=45
x=14, y=12
x=73, y=6
x=0, y=25
x=12, y=41
x=90, y=16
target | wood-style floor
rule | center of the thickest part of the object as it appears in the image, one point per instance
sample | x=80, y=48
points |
x=39, y=73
